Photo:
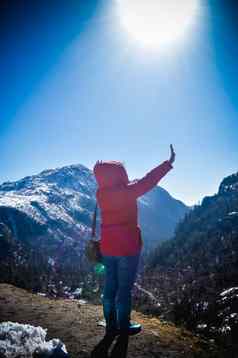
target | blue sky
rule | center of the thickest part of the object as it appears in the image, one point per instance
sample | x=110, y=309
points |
x=75, y=88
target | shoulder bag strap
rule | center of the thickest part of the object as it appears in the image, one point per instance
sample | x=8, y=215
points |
x=94, y=222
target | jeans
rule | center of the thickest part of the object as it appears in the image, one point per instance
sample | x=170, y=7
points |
x=119, y=280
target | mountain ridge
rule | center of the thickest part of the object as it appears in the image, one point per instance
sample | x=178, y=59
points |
x=68, y=194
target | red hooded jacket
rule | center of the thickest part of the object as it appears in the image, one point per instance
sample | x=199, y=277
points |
x=117, y=199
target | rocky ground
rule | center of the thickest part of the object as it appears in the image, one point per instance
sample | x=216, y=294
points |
x=76, y=324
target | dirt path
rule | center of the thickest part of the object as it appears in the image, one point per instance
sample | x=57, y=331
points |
x=76, y=325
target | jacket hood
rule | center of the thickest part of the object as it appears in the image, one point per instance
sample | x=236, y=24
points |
x=110, y=173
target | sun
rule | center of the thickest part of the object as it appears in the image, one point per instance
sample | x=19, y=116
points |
x=157, y=24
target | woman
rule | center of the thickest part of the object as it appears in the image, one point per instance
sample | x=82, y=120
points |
x=121, y=246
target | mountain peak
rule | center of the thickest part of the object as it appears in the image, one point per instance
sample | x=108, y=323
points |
x=229, y=184
x=68, y=176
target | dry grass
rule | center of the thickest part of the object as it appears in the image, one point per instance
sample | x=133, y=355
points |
x=76, y=325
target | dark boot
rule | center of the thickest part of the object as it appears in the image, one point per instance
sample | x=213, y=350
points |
x=134, y=328
x=120, y=348
x=101, y=349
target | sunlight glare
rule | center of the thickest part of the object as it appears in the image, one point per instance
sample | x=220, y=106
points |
x=157, y=23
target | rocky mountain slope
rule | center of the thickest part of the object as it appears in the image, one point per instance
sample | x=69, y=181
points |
x=55, y=208
x=77, y=324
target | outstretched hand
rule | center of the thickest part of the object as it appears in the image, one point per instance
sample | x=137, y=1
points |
x=172, y=154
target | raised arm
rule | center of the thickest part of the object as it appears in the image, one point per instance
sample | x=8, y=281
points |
x=149, y=181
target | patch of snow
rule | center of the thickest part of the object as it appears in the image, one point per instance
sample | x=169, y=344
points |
x=147, y=293
x=228, y=291
x=24, y=340
x=51, y=261
x=225, y=329
x=202, y=326
x=102, y=323
x=77, y=292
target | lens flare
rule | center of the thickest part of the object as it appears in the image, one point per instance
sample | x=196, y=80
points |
x=99, y=269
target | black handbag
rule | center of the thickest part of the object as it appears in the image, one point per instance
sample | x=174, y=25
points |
x=92, y=249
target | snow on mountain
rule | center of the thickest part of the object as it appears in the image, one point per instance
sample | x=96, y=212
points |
x=57, y=205
x=59, y=201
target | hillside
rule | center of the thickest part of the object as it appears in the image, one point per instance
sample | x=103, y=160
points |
x=159, y=214
x=206, y=239
x=194, y=275
x=76, y=324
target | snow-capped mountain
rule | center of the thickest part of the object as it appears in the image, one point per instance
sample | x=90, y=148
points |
x=55, y=208
x=50, y=208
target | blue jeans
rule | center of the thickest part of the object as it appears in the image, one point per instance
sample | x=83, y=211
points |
x=119, y=280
